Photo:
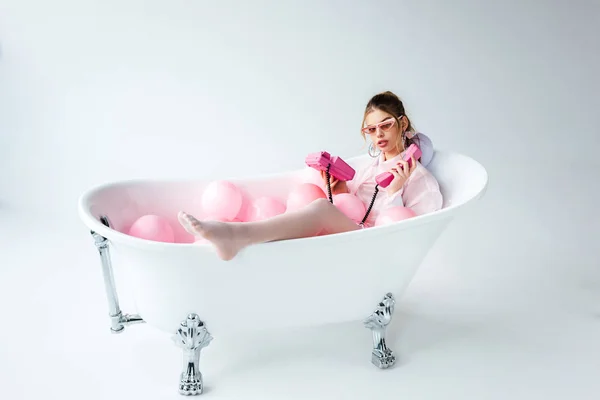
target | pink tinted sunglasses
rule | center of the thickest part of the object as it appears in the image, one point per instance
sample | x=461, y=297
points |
x=384, y=125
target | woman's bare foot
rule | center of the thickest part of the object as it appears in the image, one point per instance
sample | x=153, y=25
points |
x=225, y=236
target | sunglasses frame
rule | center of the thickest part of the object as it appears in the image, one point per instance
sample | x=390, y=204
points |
x=378, y=125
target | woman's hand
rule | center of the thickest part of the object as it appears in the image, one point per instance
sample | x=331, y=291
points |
x=401, y=174
x=337, y=186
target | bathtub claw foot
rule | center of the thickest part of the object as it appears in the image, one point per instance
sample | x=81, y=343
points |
x=192, y=336
x=381, y=356
x=383, y=359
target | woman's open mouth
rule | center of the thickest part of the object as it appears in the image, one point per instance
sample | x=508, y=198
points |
x=382, y=143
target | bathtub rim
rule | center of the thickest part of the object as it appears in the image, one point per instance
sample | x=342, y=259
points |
x=94, y=224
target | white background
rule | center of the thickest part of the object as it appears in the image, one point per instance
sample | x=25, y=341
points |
x=505, y=306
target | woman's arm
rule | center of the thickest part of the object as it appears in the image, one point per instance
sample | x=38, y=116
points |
x=423, y=194
x=393, y=199
x=336, y=185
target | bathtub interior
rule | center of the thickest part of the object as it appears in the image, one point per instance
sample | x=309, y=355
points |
x=461, y=179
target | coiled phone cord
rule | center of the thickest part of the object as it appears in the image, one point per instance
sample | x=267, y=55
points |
x=329, y=184
x=331, y=196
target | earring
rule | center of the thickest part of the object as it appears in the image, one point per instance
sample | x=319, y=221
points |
x=372, y=151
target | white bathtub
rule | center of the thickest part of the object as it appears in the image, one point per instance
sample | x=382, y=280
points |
x=273, y=285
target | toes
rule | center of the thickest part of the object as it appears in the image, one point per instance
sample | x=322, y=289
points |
x=192, y=220
x=191, y=224
x=195, y=223
x=187, y=218
x=182, y=217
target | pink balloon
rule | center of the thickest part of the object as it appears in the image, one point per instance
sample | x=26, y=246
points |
x=311, y=175
x=153, y=227
x=222, y=200
x=265, y=207
x=304, y=194
x=244, y=214
x=213, y=218
x=394, y=214
x=350, y=205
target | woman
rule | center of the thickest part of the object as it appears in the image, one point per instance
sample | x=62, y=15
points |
x=390, y=133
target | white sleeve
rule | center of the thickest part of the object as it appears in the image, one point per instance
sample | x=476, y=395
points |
x=394, y=199
x=423, y=195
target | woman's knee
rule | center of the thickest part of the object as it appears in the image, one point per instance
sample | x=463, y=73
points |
x=321, y=205
x=326, y=211
x=330, y=218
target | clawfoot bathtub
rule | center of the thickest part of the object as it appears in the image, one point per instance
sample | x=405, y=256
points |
x=178, y=287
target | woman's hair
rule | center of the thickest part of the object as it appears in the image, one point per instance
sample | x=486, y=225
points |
x=390, y=103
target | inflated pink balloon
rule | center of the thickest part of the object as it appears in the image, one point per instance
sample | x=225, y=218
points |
x=222, y=199
x=394, y=214
x=304, y=194
x=153, y=227
x=265, y=207
x=311, y=175
x=350, y=205
x=244, y=214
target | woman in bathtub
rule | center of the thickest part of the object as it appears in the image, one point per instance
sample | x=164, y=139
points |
x=390, y=132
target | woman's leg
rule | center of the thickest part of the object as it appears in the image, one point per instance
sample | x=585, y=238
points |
x=230, y=237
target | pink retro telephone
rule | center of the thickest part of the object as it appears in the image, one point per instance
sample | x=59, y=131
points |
x=337, y=167
x=385, y=178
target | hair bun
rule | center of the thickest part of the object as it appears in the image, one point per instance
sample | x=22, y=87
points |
x=389, y=94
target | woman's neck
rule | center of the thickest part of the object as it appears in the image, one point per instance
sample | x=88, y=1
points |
x=390, y=154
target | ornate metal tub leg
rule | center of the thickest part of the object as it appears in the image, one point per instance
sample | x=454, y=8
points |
x=192, y=336
x=382, y=356
x=118, y=320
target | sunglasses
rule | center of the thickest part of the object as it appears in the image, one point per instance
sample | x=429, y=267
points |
x=384, y=125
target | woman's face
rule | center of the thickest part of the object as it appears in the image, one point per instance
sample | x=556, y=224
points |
x=384, y=132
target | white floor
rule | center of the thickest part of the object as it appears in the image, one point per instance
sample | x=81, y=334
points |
x=483, y=334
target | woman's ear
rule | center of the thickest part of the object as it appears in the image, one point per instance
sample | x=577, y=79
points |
x=404, y=125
